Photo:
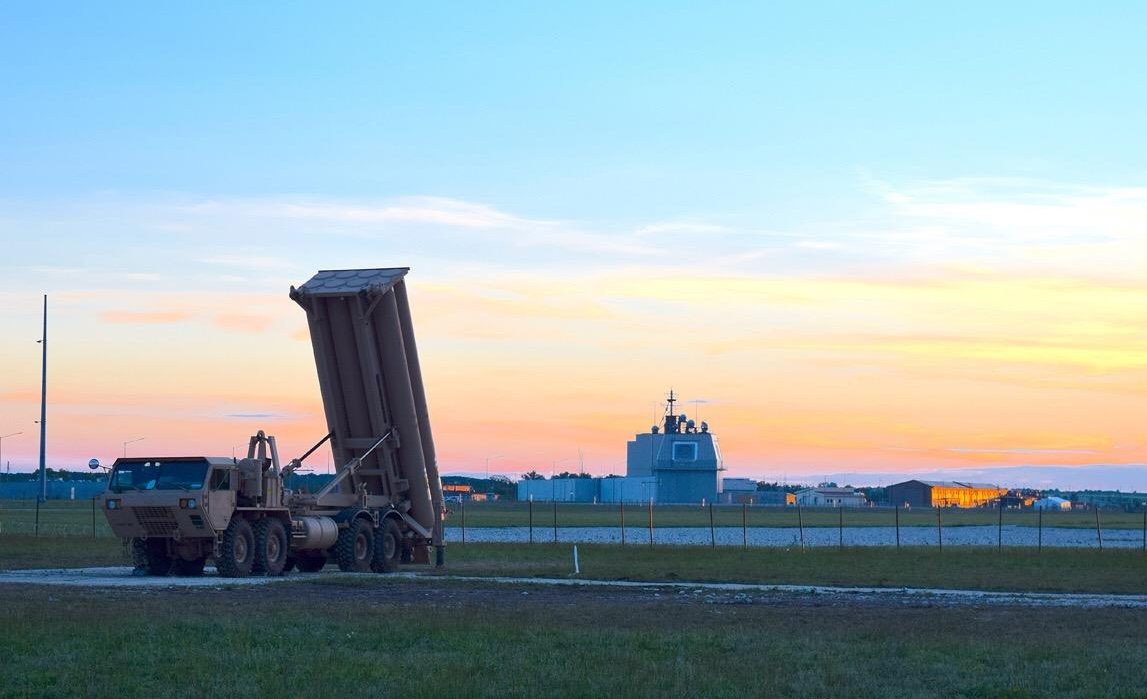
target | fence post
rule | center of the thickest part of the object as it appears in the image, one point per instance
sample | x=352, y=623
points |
x=462, y=509
x=555, y=521
x=531, y=519
x=1098, y=529
x=94, y=516
x=1000, y=528
x=896, y=509
x=37, y=516
x=800, y=523
x=1039, y=542
x=939, y=530
x=745, y=524
x=650, y=521
x=1145, y=529
x=623, y=522
x=840, y=525
x=712, y=531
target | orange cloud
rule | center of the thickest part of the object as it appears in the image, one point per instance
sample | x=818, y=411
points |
x=243, y=323
x=145, y=317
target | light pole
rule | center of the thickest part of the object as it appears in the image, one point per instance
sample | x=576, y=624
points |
x=2, y=438
x=130, y=441
x=488, y=458
x=234, y=448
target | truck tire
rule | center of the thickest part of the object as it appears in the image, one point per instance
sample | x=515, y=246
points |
x=387, y=548
x=139, y=553
x=354, y=549
x=190, y=569
x=310, y=563
x=270, y=547
x=237, y=554
x=158, y=562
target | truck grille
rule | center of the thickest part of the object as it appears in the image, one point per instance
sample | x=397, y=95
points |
x=156, y=521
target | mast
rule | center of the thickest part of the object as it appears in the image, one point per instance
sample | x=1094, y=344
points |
x=43, y=495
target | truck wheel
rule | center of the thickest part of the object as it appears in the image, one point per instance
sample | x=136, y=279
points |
x=158, y=562
x=190, y=569
x=311, y=564
x=355, y=546
x=387, y=548
x=237, y=554
x=270, y=547
x=139, y=553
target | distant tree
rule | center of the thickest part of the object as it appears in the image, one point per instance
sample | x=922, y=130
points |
x=533, y=476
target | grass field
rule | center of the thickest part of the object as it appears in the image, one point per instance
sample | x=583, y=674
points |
x=302, y=640
x=1059, y=570
x=74, y=518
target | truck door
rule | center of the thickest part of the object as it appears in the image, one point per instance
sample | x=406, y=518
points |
x=221, y=487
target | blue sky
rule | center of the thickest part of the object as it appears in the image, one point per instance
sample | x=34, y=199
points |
x=580, y=110
x=891, y=201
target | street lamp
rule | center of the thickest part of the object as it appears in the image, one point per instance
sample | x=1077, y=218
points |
x=234, y=448
x=130, y=441
x=488, y=458
x=2, y=438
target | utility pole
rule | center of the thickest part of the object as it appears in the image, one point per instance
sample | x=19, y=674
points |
x=43, y=495
x=2, y=438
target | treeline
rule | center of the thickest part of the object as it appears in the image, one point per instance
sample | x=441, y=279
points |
x=55, y=474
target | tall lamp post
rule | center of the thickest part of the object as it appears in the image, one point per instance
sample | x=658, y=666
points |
x=488, y=459
x=43, y=495
x=2, y=438
x=130, y=441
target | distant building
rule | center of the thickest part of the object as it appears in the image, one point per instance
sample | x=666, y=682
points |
x=738, y=490
x=917, y=493
x=774, y=497
x=559, y=490
x=678, y=462
x=627, y=489
x=689, y=464
x=1052, y=503
x=830, y=497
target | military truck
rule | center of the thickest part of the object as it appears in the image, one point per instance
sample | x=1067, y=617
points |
x=384, y=505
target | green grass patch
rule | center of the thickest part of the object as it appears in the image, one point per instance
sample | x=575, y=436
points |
x=321, y=642
x=1016, y=569
x=22, y=551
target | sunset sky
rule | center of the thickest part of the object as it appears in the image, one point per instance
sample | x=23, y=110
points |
x=890, y=238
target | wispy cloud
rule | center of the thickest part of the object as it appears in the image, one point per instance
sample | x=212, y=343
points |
x=146, y=317
x=240, y=322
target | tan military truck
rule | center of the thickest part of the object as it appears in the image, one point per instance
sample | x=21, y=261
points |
x=384, y=505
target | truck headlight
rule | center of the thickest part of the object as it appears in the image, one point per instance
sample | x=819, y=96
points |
x=188, y=503
x=113, y=504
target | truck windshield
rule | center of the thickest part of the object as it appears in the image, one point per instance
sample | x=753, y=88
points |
x=158, y=475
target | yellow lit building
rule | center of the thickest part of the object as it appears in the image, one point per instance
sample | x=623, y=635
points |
x=944, y=494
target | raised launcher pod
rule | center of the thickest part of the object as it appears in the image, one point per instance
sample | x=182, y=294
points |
x=373, y=397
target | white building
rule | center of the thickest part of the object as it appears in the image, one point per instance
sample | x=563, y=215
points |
x=830, y=497
x=1051, y=503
